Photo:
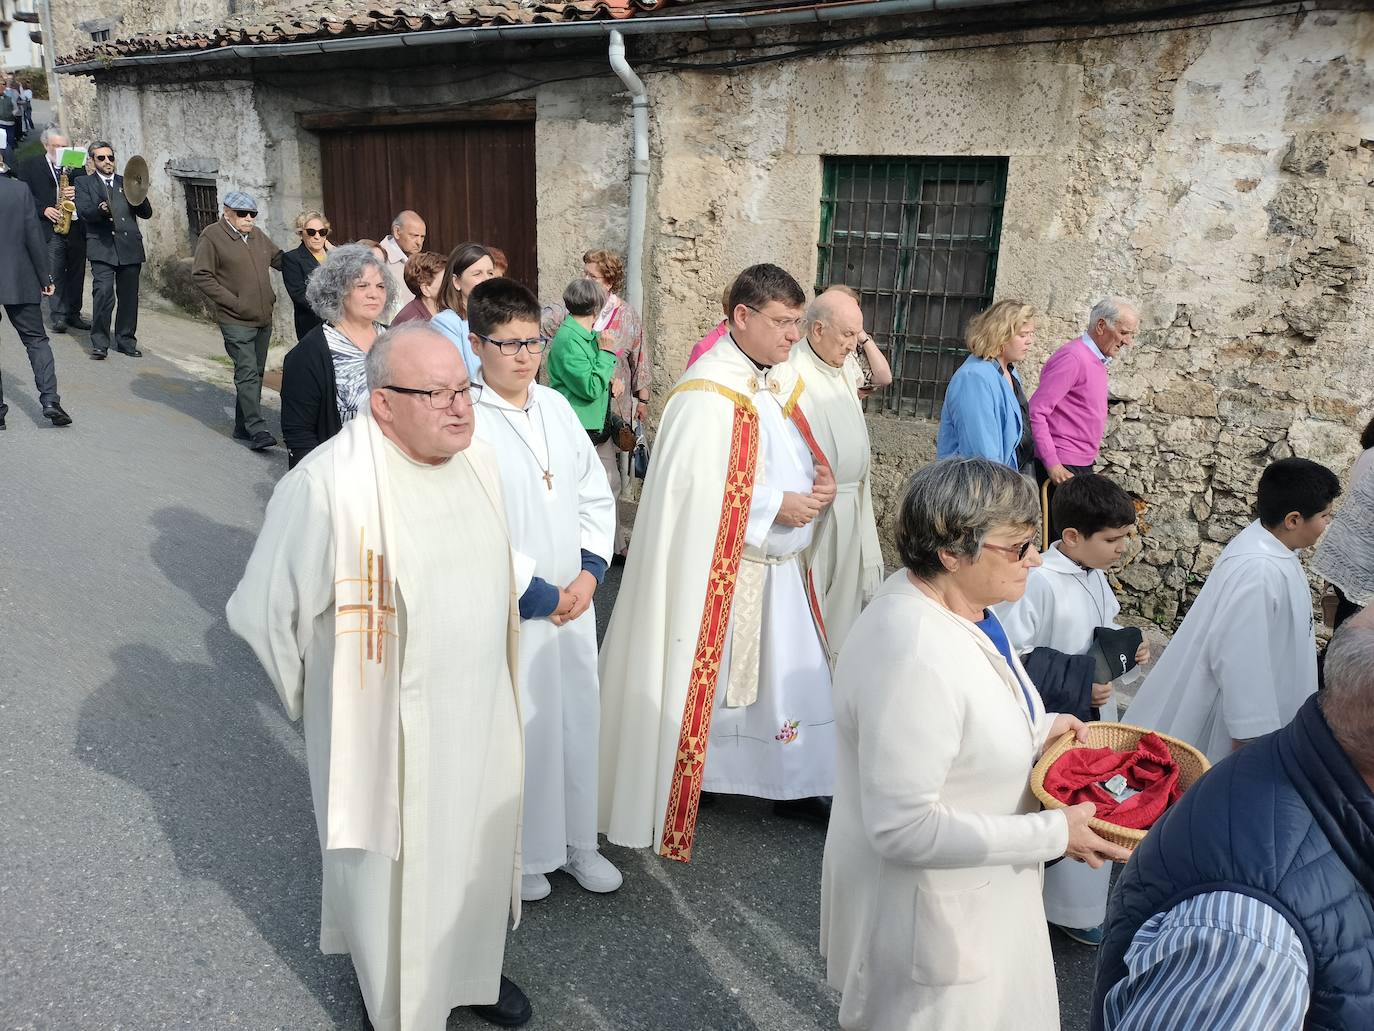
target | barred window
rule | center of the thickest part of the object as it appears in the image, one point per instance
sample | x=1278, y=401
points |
x=202, y=206
x=100, y=35
x=917, y=238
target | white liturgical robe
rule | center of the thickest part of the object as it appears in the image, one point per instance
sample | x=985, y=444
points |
x=552, y=521
x=1063, y=604
x=426, y=932
x=782, y=745
x=1245, y=658
x=712, y=627
x=845, y=558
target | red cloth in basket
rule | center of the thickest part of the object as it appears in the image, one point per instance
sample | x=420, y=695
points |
x=1078, y=774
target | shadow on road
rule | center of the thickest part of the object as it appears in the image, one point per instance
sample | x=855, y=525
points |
x=233, y=802
x=210, y=404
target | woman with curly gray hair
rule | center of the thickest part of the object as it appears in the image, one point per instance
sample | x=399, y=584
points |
x=931, y=915
x=324, y=377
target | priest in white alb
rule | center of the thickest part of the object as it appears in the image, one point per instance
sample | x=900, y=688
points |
x=714, y=672
x=561, y=515
x=1245, y=658
x=845, y=560
x=379, y=598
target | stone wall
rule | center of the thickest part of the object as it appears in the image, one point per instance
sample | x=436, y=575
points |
x=1219, y=175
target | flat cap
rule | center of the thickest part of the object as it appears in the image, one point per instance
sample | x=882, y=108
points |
x=240, y=201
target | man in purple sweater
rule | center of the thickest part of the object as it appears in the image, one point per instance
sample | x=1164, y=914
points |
x=1068, y=411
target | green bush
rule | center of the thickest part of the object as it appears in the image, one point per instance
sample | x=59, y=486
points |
x=35, y=80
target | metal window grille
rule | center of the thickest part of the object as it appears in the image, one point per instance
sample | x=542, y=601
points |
x=202, y=205
x=917, y=238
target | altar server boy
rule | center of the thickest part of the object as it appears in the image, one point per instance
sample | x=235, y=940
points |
x=1245, y=658
x=1067, y=606
x=561, y=517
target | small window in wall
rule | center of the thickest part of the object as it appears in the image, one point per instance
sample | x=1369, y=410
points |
x=917, y=238
x=100, y=35
x=202, y=205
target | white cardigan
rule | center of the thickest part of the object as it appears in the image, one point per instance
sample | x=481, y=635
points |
x=930, y=892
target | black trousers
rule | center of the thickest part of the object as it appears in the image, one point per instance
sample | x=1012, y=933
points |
x=27, y=320
x=67, y=262
x=1042, y=479
x=111, y=283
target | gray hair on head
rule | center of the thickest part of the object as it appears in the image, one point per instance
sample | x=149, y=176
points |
x=1347, y=699
x=400, y=220
x=333, y=280
x=822, y=306
x=51, y=130
x=1109, y=309
x=379, y=354
x=953, y=504
x=584, y=296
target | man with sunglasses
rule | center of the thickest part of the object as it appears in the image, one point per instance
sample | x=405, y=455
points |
x=114, y=247
x=230, y=267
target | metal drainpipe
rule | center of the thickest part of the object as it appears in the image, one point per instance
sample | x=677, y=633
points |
x=639, y=172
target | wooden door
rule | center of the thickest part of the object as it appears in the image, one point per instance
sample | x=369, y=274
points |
x=470, y=181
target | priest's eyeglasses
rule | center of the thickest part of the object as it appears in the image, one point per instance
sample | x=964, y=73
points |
x=783, y=324
x=1019, y=551
x=535, y=345
x=443, y=397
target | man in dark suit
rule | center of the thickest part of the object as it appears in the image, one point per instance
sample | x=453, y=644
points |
x=66, y=254
x=114, y=245
x=24, y=279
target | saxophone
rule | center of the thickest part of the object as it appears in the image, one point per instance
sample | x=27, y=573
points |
x=65, y=207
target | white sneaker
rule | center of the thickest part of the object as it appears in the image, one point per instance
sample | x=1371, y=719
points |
x=592, y=870
x=534, y=886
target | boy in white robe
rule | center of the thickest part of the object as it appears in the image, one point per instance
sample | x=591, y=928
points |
x=1066, y=599
x=561, y=516
x=1245, y=658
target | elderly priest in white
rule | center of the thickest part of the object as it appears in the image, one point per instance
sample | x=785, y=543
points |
x=379, y=599
x=562, y=523
x=714, y=673
x=844, y=559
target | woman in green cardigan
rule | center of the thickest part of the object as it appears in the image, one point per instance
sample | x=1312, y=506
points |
x=582, y=360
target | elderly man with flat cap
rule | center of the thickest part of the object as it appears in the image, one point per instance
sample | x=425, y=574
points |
x=231, y=263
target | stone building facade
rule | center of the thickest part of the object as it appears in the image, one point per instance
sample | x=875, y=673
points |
x=1217, y=170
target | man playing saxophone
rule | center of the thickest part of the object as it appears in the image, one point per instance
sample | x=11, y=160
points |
x=42, y=173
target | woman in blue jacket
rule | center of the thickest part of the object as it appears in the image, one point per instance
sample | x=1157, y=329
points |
x=985, y=413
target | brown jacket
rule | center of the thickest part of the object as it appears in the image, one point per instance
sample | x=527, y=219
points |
x=233, y=274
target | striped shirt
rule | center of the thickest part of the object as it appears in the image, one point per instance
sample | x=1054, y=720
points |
x=1217, y=960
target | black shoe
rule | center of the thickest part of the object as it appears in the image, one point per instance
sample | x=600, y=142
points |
x=241, y=434
x=59, y=327
x=2, y=422
x=135, y=353
x=77, y=322
x=262, y=440
x=55, y=413
x=97, y=356
x=511, y=1010
x=816, y=810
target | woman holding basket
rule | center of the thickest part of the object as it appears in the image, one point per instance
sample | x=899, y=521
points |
x=931, y=915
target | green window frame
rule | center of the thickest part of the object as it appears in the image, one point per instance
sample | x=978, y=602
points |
x=918, y=239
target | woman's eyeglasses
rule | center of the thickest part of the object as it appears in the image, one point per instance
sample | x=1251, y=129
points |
x=321, y=233
x=1019, y=552
x=535, y=345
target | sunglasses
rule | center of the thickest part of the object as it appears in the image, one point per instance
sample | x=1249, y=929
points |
x=102, y=157
x=1019, y=552
x=245, y=214
x=321, y=233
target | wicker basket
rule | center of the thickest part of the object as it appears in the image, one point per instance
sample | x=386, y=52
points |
x=1192, y=764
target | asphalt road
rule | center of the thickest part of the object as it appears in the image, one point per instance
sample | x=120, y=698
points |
x=158, y=860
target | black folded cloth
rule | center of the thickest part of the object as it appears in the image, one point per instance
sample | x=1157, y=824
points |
x=1114, y=651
